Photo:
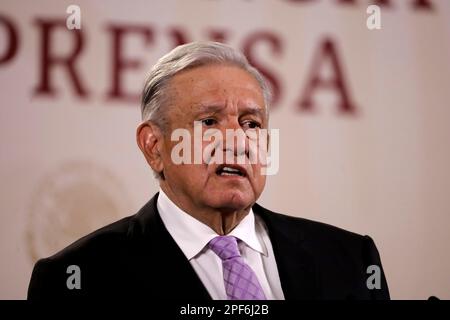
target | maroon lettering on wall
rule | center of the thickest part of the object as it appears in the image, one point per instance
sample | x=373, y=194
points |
x=12, y=43
x=178, y=36
x=384, y=3
x=422, y=4
x=119, y=63
x=327, y=52
x=346, y=2
x=49, y=60
x=275, y=44
x=417, y=4
x=218, y=35
x=301, y=1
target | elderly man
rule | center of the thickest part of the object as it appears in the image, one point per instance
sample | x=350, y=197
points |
x=203, y=236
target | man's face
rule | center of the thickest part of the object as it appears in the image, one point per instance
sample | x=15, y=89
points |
x=220, y=97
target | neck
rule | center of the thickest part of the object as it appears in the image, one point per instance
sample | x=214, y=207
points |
x=221, y=220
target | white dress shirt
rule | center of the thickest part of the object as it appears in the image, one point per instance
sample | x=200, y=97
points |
x=192, y=236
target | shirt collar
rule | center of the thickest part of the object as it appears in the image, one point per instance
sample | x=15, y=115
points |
x=246, y=232
x=192, y=236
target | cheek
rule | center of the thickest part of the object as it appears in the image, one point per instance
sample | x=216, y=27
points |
x=193, y=175
x=257, y=171
x=257, y=179
x=260, y=182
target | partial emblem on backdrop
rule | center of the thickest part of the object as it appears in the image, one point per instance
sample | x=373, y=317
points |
x=71, y=201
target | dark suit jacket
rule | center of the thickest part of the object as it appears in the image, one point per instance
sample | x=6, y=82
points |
x=137, y=258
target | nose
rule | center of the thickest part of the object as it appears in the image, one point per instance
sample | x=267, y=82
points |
x=235, y=144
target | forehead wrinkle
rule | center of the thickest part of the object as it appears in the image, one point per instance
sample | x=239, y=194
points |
x=254, y=108
x=203, y=95
x=251, y=108
x=209, y=107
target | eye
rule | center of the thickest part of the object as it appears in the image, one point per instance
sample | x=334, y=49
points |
x=251, y=124
x=209, y=122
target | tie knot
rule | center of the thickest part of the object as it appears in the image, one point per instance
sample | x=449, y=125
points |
x=225, y=247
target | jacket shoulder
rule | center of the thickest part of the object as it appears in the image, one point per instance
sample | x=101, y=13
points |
x=340, y=258
x=100, y=256
x=98, y=242
x=306, y=228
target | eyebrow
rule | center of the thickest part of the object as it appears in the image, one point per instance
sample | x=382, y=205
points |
x=207, y=108
x=214, y=108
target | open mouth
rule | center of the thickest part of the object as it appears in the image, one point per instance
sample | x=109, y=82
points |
x=230, y=170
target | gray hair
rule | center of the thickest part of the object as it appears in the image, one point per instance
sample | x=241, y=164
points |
x=184, y=57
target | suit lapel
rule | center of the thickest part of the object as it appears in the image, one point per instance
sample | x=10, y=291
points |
x=295, y=265
x=167, y=274
x=171, y=276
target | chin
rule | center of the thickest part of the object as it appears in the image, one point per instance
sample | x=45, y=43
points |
x=233, y=200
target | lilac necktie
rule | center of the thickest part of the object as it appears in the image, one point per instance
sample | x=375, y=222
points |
x=240, y=280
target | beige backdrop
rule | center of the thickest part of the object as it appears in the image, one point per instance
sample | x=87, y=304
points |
x=69, y=164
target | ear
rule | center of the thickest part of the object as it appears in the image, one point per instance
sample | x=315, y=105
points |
x=150, y=140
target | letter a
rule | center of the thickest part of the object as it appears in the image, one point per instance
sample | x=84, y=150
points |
x=374, y=20
x=373, y=282
x=74, y=20
x=74, y=280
